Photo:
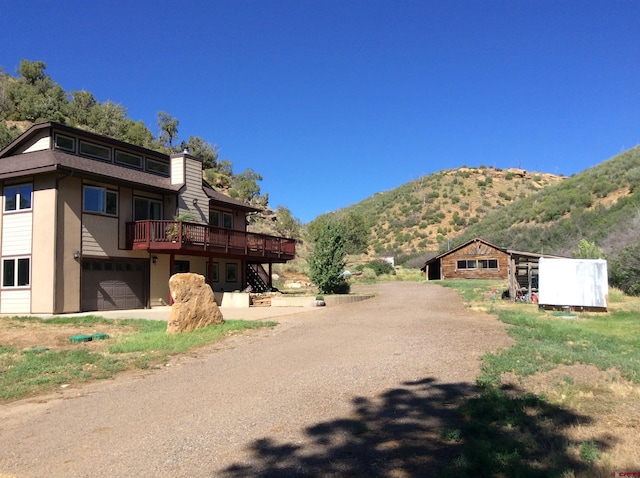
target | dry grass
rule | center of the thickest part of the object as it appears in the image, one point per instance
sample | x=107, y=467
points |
x=606, y=441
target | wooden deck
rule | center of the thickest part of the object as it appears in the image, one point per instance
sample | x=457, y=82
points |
x=188, y=238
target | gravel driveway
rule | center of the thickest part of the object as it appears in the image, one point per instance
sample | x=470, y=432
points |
x=361, y=389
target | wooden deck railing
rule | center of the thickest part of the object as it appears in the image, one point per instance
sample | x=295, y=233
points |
x=188, y=236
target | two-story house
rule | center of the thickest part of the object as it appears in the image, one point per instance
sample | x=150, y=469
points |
x=92, y=223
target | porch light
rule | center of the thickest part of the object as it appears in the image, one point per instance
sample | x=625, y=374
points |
x=195, y=201
x=76, y=254
x=154, y=259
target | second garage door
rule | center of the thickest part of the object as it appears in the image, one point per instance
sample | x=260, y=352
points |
x=114, y=284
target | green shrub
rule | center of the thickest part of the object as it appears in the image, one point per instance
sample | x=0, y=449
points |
x=380, y=267
x=368, y=273
x=624, y=272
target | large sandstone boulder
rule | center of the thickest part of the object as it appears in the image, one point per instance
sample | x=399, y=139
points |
x=194, y=304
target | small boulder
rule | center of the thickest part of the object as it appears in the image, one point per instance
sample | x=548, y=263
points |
x=194, y=305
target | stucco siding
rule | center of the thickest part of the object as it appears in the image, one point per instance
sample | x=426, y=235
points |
x=159, y=278
x=125, y=209
x=68, y=233
x=43, y=257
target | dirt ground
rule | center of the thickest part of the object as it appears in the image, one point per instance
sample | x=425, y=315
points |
x=611, y=402
x=282, y=397
x=25, y=335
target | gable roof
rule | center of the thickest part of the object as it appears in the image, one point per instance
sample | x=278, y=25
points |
x=475, y=239
x=511, y=252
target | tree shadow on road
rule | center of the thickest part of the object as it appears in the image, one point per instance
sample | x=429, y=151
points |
x=424, y=428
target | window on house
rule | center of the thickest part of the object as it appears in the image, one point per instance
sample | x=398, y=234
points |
x=95, y=151
x=146, y=209
x=100, y=200
x=468, y=264
x=221, y=219
x=157, y=167
x=129, y=159
x=181, y=267
x=16, y=272
x=215, y=270
x=65, y=142
x=214, y=218
x=227, y=220
x=18, y=197
x=232, y=272
x=487, y=264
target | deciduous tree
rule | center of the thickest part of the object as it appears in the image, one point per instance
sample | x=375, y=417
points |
x=244, y=186
x=168, y=130
x=286, y=224
x=588, y=250
x=200, y=148
x=327, y=261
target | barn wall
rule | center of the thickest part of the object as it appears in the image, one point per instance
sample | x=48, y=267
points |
x=475, y=251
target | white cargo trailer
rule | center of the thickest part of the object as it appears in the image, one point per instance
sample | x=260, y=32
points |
x=573, y=283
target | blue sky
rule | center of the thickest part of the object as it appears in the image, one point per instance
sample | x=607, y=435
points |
x=332, y=101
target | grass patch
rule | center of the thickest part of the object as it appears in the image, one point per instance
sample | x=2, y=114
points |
x=145, y=344
x=544, y=342
x=32, y=373
x=476, y=291
x=589, y=451
x=514, y=437
x=509, y=432
x=154, y=339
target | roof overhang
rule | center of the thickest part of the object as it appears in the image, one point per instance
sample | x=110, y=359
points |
x=52, y=161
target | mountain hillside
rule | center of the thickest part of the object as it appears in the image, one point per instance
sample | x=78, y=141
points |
x=600, y=204
x=422, y=215
x=512, y=208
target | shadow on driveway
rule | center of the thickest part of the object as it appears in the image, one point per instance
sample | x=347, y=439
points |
x=427, y=429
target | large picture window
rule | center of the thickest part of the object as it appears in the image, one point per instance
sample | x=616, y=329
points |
x=100, y=200
x=17, y=198
x=16, y=272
